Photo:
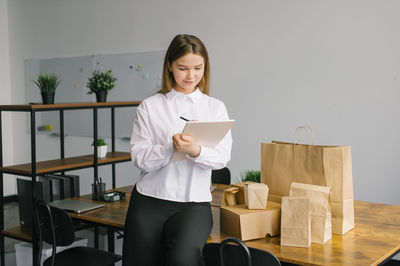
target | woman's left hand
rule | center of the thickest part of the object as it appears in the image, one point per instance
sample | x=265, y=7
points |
x=186, y=144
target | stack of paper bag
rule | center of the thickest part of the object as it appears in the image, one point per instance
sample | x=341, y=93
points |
x=295, y=222
x=245, y=224
x=320, y=211
x=255, y=196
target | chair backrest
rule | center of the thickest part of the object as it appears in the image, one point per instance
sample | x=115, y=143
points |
x=53, y=226
x=236, y=255
x=221, y=176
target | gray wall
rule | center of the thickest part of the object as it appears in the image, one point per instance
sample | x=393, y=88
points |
x=333, y=65
x=5, y=95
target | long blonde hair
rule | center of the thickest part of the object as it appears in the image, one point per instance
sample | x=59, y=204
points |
x=181, y=45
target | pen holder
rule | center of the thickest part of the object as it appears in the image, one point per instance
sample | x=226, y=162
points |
x=98, y=189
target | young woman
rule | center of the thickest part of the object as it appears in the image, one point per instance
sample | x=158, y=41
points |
x=169, y=217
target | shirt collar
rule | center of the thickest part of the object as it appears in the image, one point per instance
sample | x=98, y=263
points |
x=194, y=96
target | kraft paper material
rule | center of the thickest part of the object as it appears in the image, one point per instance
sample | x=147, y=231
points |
x=320, y=210
x=295, y=222
x=229, y=197
x=256, y=195
x=238, y=221
x=283, y=163
x=240, y=194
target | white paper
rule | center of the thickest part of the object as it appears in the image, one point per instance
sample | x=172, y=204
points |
x=207, y=134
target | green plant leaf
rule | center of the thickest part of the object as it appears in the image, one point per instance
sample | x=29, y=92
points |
x=101, y=81
x=100, y=142
x=251, y=175
x=47, y=83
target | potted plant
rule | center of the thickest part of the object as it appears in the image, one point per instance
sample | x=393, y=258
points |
x=47, y=85
x=251, y=175
x=100, y=83
x=101, y=148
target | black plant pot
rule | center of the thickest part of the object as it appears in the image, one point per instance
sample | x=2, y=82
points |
x=48, y=97
x=101, y=96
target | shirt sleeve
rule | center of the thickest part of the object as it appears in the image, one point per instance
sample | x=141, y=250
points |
x=216, y=158
x=146, y=155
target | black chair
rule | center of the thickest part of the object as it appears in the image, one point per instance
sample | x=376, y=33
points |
x=55, y=227
x=221, y=254
x=221, y=176
x=391, y=262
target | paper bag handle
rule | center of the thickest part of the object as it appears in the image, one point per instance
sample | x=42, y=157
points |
x=310, y=134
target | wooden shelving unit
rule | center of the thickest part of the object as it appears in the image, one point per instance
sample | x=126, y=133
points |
x=66, y=164
x=19, y=232
x=61, y=164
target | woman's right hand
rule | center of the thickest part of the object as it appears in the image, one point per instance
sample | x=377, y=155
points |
x=186, y=144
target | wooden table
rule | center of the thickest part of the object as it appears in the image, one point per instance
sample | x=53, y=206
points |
x=375, y=238
x=113, y=213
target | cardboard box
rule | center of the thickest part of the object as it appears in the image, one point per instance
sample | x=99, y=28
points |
x=23, y=251
x=229, y=197
x=240, y=195
x=245, y=224
x=255, y=196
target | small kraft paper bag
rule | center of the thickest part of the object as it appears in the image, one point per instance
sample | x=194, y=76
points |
x=283, y=163
x=320, y=211
x=295, y=222
x=255, y=196
x=229, y=198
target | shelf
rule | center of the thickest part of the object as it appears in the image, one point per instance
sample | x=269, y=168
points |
x=65, y=106
x=25, y=233
x=65, y=164
x=58, y=165
x=20, y=232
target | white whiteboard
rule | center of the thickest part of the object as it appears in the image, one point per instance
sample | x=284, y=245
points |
x=138, y=76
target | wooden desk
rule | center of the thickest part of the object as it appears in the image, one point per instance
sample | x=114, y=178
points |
x=113, y=213
x=375, y=238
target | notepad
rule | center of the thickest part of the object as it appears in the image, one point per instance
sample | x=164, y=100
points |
x=207, y=134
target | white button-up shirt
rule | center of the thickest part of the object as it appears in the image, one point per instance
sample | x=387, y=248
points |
x=157, y=120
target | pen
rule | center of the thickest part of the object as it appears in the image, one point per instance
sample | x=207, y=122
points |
x=187, y=120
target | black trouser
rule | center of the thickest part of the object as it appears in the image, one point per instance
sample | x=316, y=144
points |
x=160, y=232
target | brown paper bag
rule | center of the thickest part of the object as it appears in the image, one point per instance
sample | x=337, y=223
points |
x=320, y=211
x=229, y=197
x=255, y=196
x=295, y=222
x=283, y=163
